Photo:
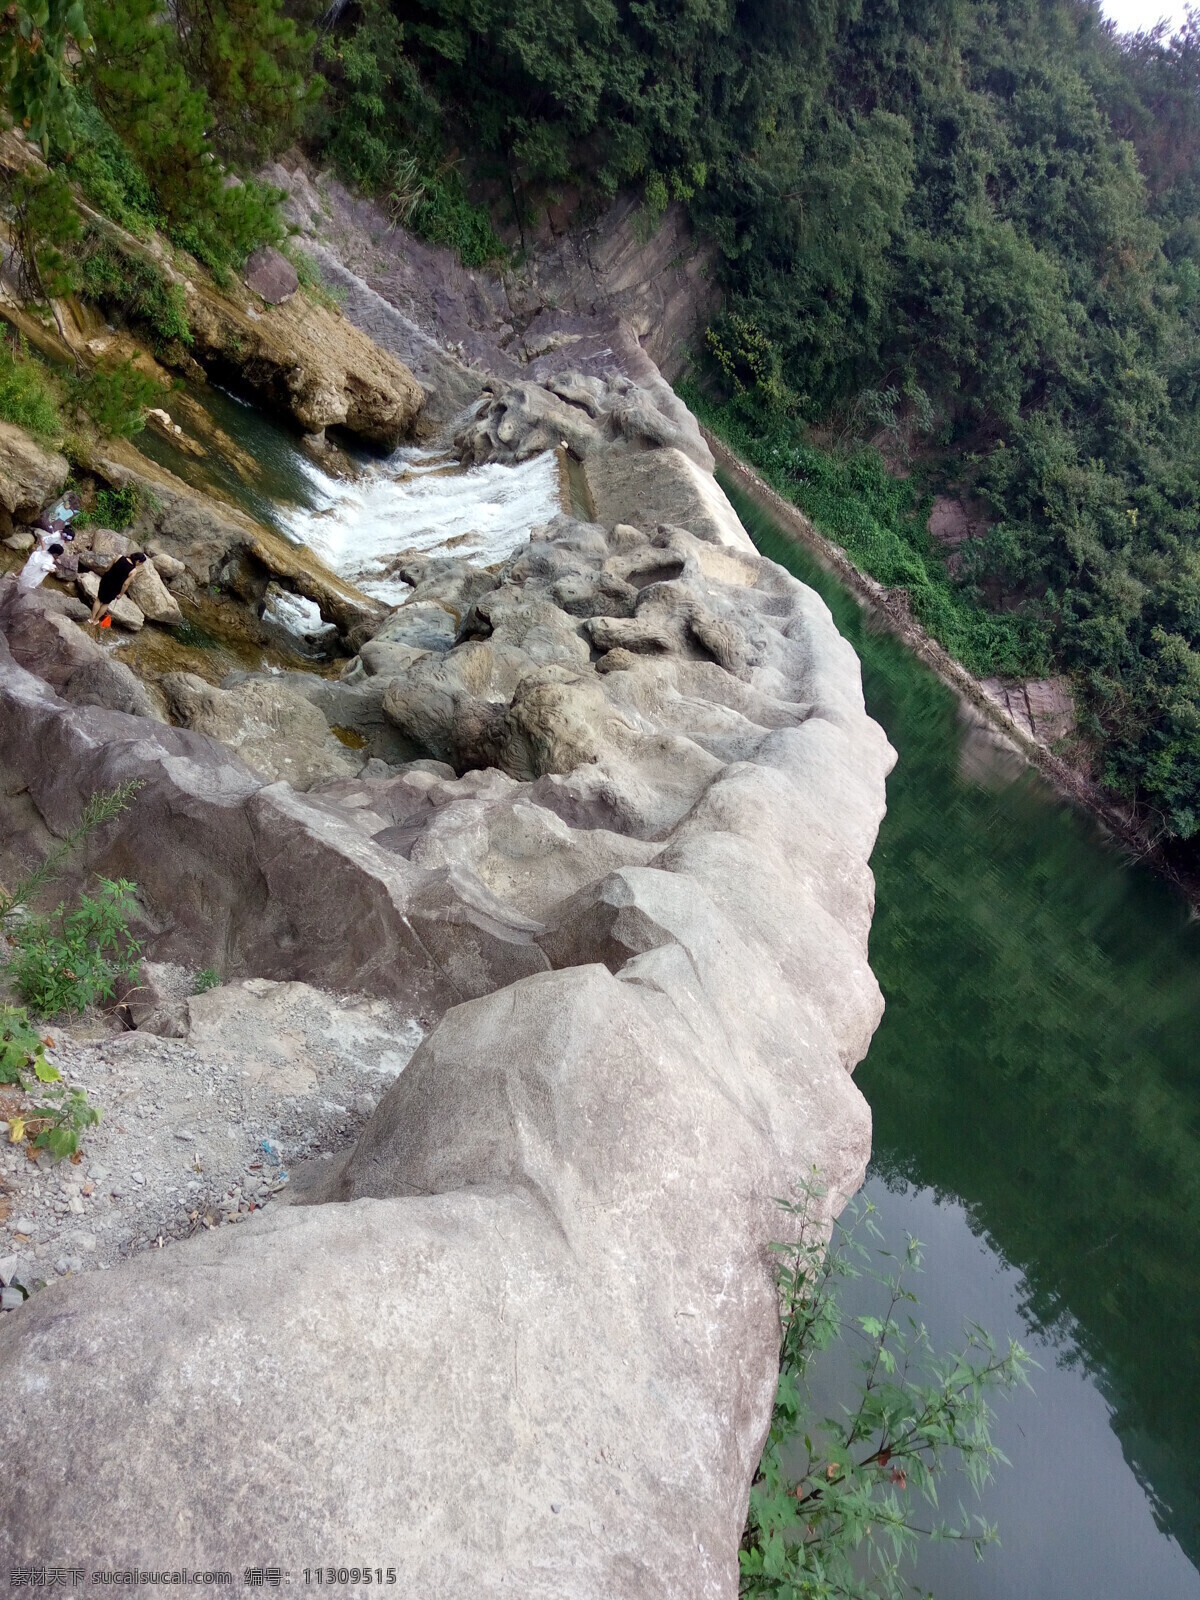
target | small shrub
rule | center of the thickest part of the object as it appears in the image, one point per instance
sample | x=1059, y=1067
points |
x=311, y=281
x=22, y=1048
x=207, y=978
x=26, y=396
x=117, y=398
x=55, y=1124
x=835, y=1506
x=117, y=509
x=444, y=215
x=75, y=958
x=103, y=806
x=134, y=288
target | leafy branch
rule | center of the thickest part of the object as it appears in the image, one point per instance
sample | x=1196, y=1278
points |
x=833, y=1510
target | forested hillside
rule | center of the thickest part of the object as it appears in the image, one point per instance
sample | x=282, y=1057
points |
x=976, y=226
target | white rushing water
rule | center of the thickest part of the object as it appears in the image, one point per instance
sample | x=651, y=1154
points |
x=421, y=502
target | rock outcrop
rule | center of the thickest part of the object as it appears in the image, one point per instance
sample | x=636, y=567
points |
x=302, y=359
x=29, y=473
x=538, y=1312
x=609, y=855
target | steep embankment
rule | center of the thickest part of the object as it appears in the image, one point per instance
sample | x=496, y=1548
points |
x=524, y=1339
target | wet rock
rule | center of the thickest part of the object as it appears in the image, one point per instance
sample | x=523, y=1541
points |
x=88, y=585
x=300, y=358
x=126, y=614
x=148, y=591
x=271, y=275
x=274, y=730
x=30, y=475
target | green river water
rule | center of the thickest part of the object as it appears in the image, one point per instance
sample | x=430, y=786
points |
x=1035, y=1088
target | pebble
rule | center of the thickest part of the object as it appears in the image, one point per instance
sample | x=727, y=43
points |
x=24, y=1225
x=8, y=1269
x=10, y=1299
x=137, y=1177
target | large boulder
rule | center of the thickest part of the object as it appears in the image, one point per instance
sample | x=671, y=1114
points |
x=151, y=595
x=271, y=275
x=275, y=731
x=524, y=1340
x=302, y=359
x=30, y=474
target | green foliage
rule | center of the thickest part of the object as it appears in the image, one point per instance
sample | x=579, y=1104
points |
x=64, y=1112
x=880, y=521
x=26, y=396
x=34, y=43
x=115, y=508
x=73, y=959
x=254, y=65
x=117, y=398
x=382, y=129
x=834, y=1505
x=206, y=979
x=22, y=1049
x=444, y=215
x=106, y=172
x=102, y=807
x=45, y=228
x=138, y=79
x=60, y=1119
x=130, y=286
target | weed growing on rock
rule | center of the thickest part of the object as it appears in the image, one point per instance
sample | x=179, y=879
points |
x=834, y=1508
x=134, y=288
x=56, y=1124
x=104, y=806
x=115, y=508
x=26, y=395
x=208, y=978
x=73, y=959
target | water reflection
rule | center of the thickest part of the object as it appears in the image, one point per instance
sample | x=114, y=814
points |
x=1038, y=1064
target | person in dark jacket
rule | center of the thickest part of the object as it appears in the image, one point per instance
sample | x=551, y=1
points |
x=113, y=582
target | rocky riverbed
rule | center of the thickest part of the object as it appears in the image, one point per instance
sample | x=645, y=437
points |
x=543, y=992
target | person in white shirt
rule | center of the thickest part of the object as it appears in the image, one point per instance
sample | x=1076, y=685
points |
x=41, y=562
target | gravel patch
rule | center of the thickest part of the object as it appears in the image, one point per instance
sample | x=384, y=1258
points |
x=199, y=1132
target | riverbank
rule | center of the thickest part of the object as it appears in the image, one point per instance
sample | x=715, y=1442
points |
x=891, y=609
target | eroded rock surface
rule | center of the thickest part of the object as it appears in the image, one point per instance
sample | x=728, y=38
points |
x=523, y=1340
x=29, y=473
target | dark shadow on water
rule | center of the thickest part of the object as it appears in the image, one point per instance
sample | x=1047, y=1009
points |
x=1038, y=1070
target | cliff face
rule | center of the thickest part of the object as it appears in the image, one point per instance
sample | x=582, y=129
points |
x=524, y=1339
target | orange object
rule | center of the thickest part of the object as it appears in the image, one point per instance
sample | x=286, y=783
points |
x=106, y=622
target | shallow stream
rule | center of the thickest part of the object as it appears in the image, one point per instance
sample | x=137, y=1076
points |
x=1035, y=1087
